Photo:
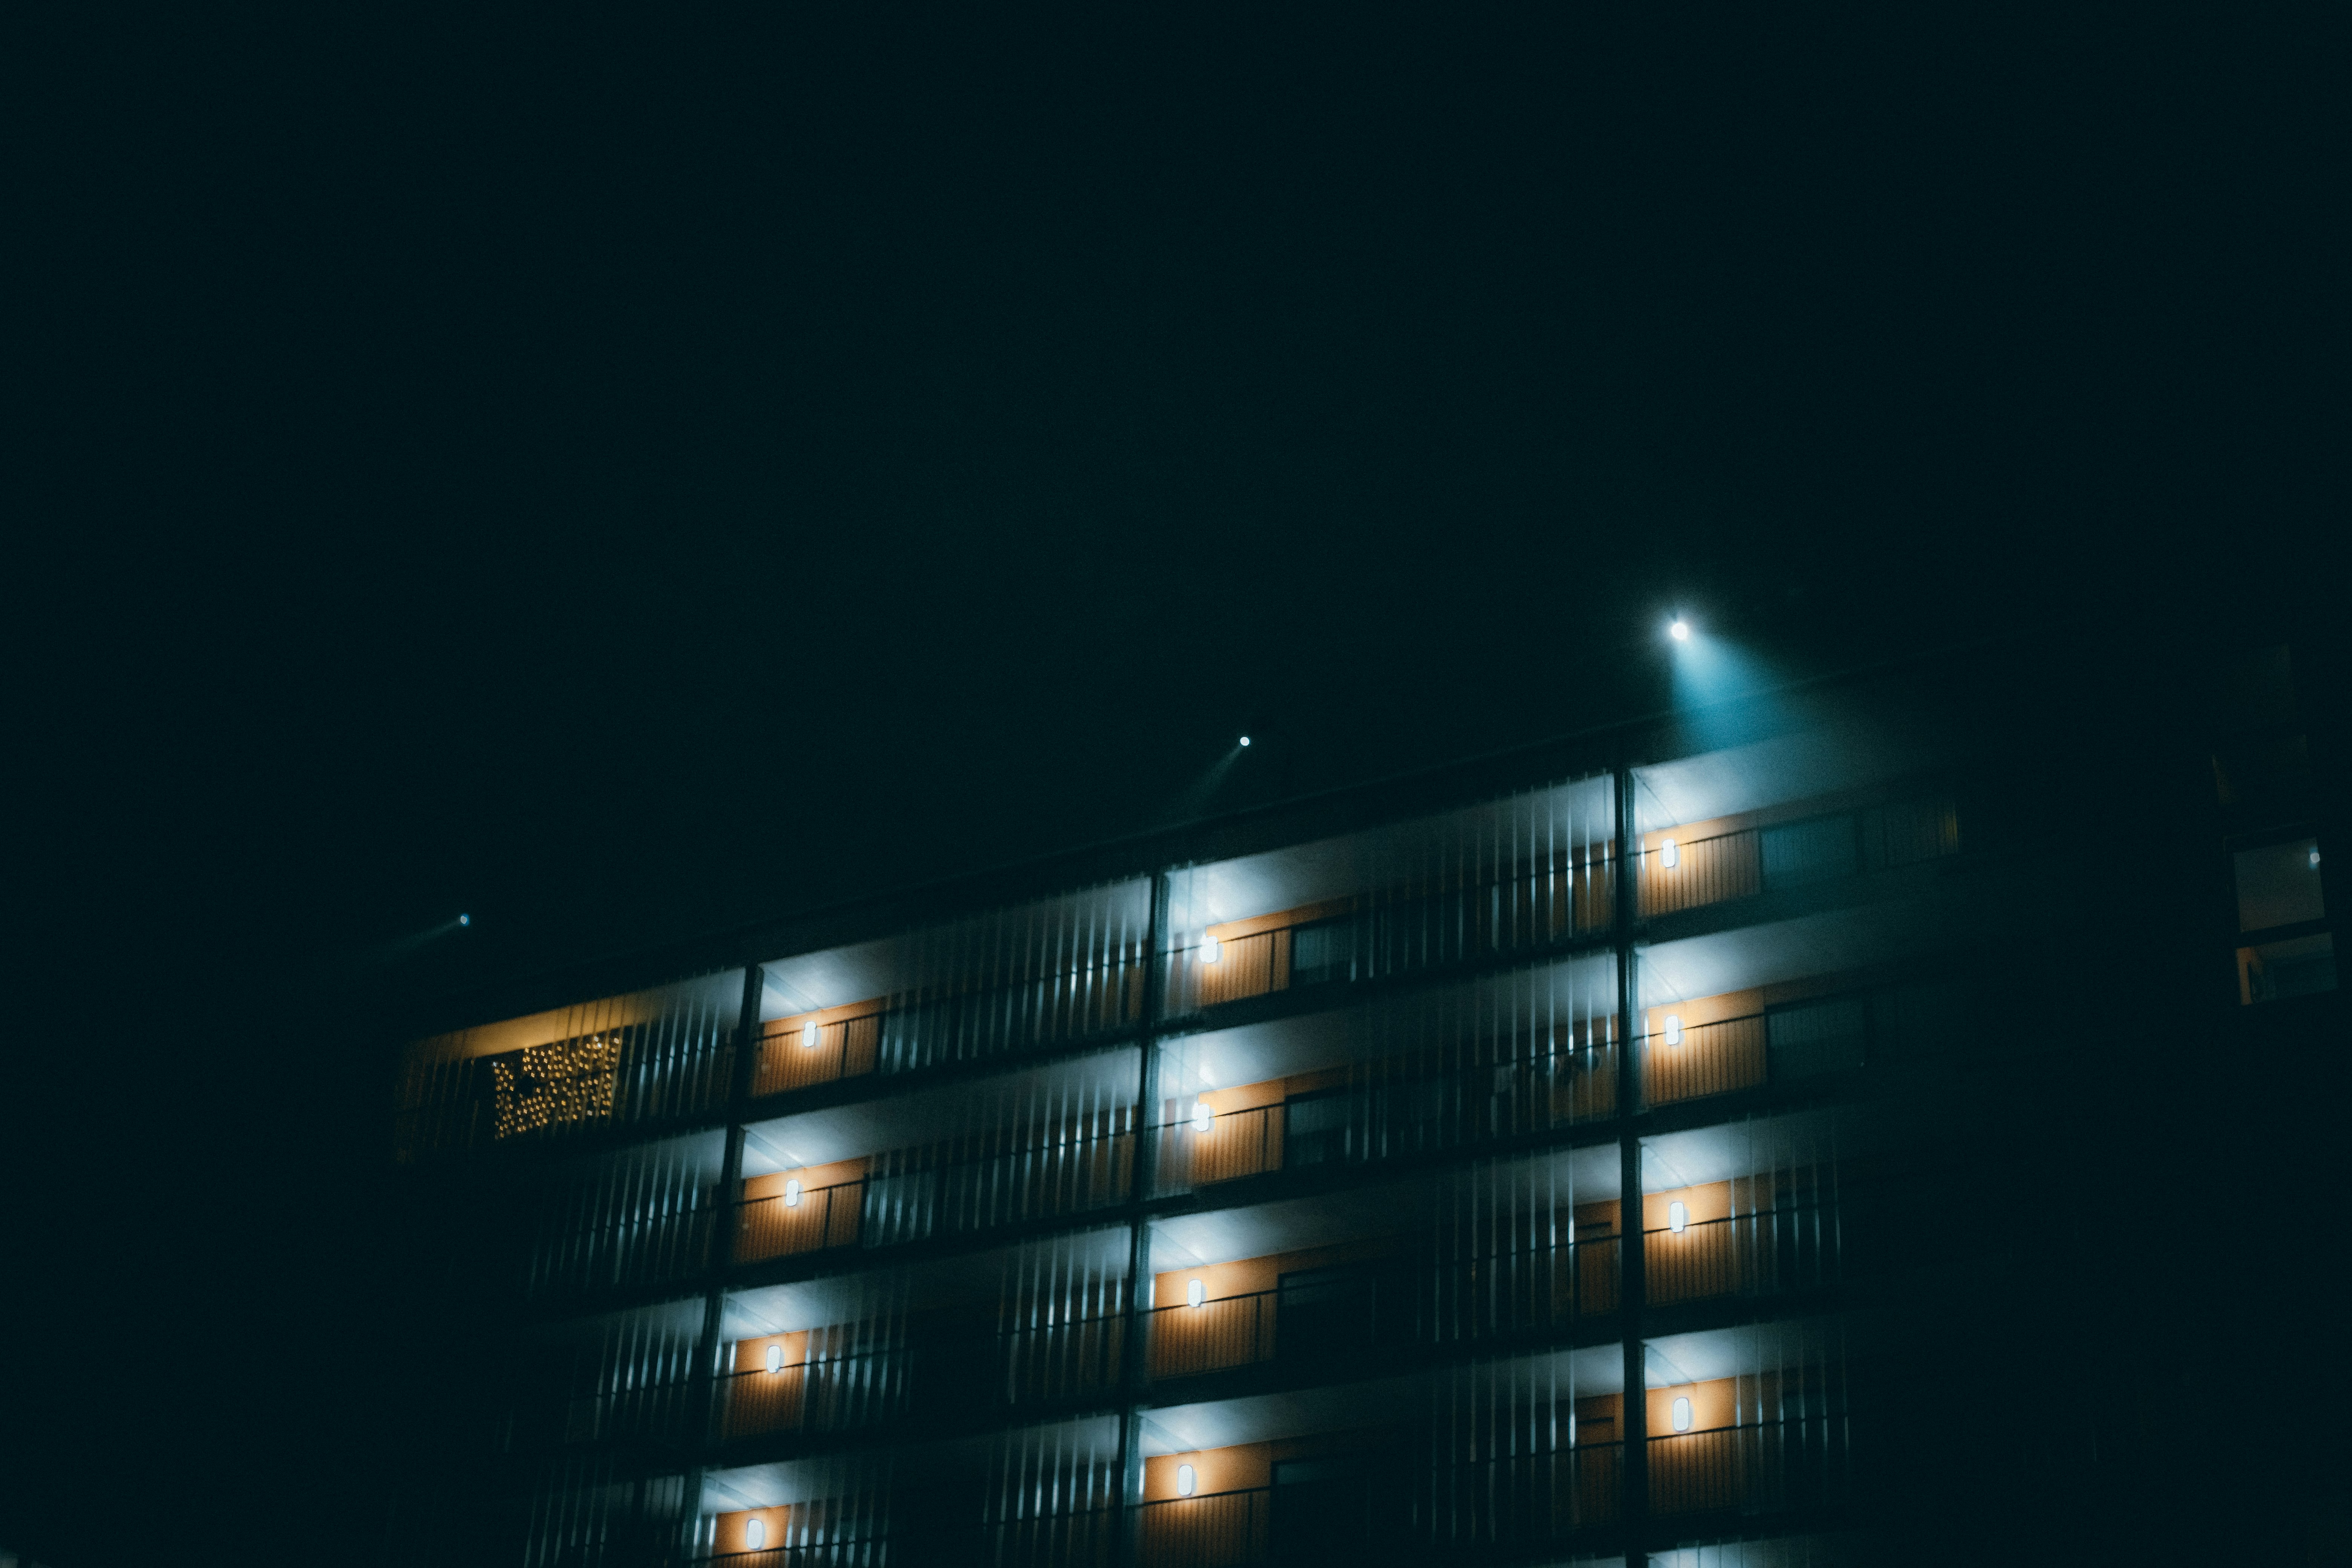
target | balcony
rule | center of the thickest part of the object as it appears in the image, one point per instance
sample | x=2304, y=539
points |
x=1209, y=1531
x=638, y=1251
x=1395, y=932
x=638, y=1073
x=1391, y=1110
x=908, y=1195
x=1762, y=1467
x=1721, y=1045
x=1695, y=1061
x=664, y=1413
x=1078, y=1359
x=800, y=1219
x=1689, y=869
x=1760, y=1254
x=831, y=1393
x=1528, y=1501
x=818, y=1048
x=1355, y=1317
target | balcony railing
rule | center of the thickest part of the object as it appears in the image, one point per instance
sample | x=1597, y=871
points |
x=847, y=1049
x=1741, y=1255
x=915, y=1201
x=1387, y=934
x=1523, y=1500
x=1233, y=1331
x=661, y=1412
x=1767, y=1466
x=1530, y=1290
x=648, y=1076
x=1829, y=1036
x=636, y=1251
x=823, y=1395
x=1751, y=861
x=818, y=1218
x=1392, y=1116
x=870, y=1552
x=1075, y=1359
x=1211, y=1530
x=1704, y=871
x=1709, y=1058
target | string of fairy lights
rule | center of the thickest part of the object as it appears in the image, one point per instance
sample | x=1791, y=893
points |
x=568, y=1080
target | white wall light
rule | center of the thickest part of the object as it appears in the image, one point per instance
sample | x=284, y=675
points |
x=1674, y=1029
x=1203, y=1117
x=1670, y=854
x=1196, y=1294
x=1211, y=949
x=1682, y=1416
x=793, y=1192
x=755, y=1533
x=811, y=1034
x=775, y=1358
x=1677, y=1216
x=1187, y=1480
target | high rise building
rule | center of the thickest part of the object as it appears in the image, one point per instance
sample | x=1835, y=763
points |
x=1783, y=1132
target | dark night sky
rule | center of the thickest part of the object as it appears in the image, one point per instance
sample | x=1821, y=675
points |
x=622, y=477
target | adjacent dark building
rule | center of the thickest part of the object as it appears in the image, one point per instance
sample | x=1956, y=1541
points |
x=1830, y=1126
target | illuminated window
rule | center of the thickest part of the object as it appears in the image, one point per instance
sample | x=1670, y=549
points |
x=1203, y=1117
x=1674, y=1029
x=811, y=1034
x=1682, y=1416
x=793, y=1192
x=1211, y=949
x=1670, y=854
x=1677, y=1216
x=775, y=1358
x=755, y=1534
x=1187, y=1482
x=1196, y=1294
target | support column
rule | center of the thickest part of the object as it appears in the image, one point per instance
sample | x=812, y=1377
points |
x=1633, y=1421
x=701, y=1402
x=1136, y=1351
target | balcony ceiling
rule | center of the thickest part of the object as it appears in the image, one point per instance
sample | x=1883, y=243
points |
x=1224, y=1236
x=1702, y=1155
x=1265, y=1417
x=1574, y=990
x=1827, y=944
x=1053, y=1090
x=1481, y=836
x=1821, y=760
x=1747, y=1349
x=1050, y=934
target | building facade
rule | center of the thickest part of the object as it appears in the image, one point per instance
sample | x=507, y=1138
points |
x=1691, y=1143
